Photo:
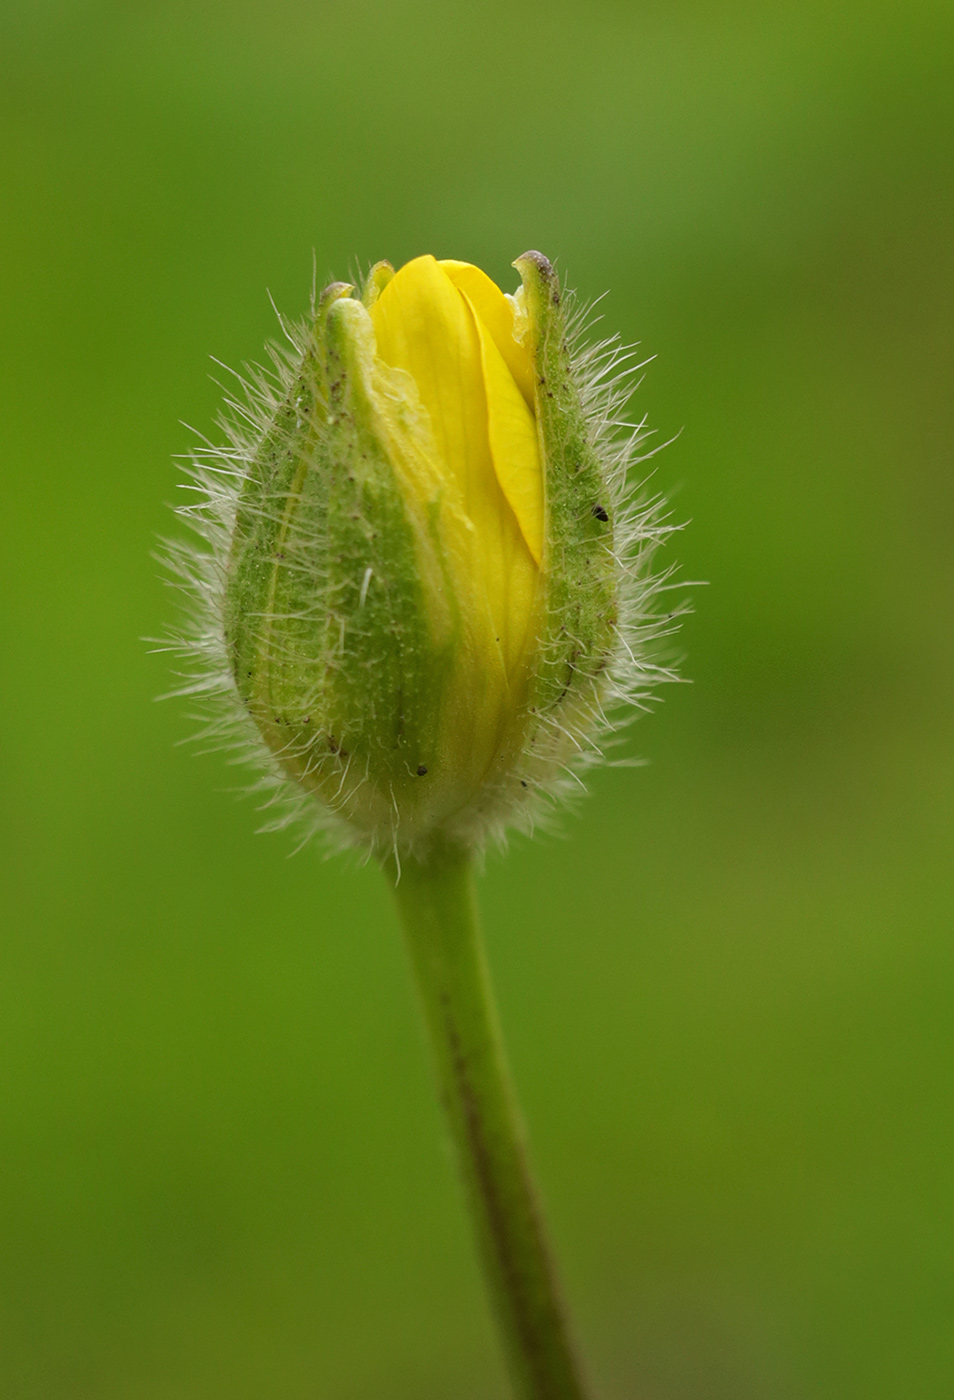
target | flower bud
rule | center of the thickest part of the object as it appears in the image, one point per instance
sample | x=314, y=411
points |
x=424, y=586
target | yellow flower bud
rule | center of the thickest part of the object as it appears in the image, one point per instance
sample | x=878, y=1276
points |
x=424, y=582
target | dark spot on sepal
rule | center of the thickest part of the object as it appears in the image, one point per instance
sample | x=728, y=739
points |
x=421, y=770
x=540, y=261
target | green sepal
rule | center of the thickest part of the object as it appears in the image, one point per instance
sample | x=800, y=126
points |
x=580, y=566
x=326, y=623
x=376, y=281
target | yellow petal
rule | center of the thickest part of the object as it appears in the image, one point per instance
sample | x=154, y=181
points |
x=422, y=326
x=425, y=327
x=512, y=430
x=496, y=312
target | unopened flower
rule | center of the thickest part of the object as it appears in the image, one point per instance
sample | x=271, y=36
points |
x=428, y=581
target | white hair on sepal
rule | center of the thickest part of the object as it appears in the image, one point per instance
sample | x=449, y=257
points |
x=196, y=565
x=563, y=751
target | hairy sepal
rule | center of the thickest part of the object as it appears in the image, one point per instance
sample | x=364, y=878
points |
x=327, y=627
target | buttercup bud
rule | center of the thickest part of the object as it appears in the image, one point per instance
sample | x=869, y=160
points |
x=427, y=582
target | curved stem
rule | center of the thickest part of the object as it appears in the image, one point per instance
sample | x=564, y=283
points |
x=438, y=910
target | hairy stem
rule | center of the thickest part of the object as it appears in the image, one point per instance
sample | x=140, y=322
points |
x=438, y=910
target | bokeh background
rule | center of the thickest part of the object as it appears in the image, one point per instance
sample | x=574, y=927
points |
x=729, y=993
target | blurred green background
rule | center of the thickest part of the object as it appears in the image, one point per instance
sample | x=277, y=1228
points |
x=729, y=994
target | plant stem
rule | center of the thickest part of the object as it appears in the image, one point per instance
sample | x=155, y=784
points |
x=438, y=909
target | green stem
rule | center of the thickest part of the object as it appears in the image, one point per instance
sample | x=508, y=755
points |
x=438, y=909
